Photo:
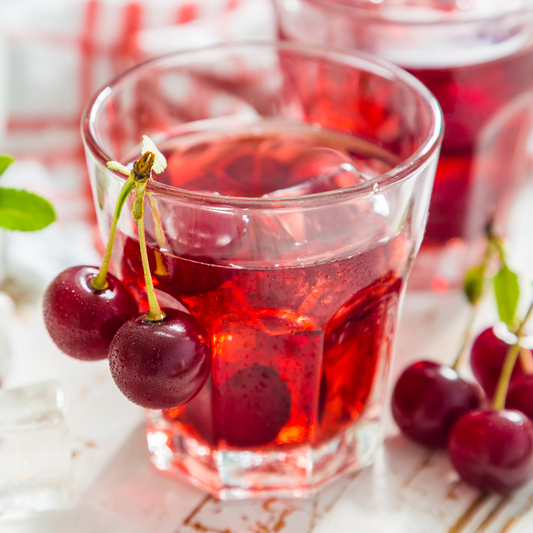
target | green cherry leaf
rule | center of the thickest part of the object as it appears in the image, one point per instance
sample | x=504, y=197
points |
x=24, y=211
x=507, y=293
x=160, y=162
x=5, y=161
x=473, y=284
x=115, y=165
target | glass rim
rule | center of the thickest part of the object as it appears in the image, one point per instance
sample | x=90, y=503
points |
x=402, y=171
x=353, y=10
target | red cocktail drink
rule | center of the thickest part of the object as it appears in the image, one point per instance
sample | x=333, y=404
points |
x=286, y=224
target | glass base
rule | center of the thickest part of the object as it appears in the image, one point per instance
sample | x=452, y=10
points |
x=299, y=471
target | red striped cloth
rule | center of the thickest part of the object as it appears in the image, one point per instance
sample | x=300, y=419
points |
x=58, y=53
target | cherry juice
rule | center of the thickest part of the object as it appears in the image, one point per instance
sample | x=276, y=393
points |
x=300, y=347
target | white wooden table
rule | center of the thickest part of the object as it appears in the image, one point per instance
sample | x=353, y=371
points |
x=116, y=490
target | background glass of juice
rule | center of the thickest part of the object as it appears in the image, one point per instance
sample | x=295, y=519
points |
x=476, y=57
x=287, y=220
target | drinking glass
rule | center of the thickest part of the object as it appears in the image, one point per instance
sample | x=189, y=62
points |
x=287, y=220
x=476, y=57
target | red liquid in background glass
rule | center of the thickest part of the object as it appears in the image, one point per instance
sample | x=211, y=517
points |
x=296, y=349
x=479, y=142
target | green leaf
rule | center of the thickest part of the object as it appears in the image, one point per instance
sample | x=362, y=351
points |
x=473, y=284
x=24, y=211
x=5, y=161
x=115, y=165
x=507, y=292
x=149, y=146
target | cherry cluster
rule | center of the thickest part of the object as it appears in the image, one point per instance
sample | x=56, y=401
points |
x=159, y=359
x=487, y=427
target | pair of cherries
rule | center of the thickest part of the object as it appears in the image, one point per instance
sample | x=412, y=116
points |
x=492, y=449
x=159, y=359
x=156, y=364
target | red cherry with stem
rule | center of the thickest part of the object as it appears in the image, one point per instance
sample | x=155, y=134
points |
x=428, y=399
x=254, y=404
x=162, y=359
x=493, y=450
x=520, y=395
x=84, y=306
x=82, y=320
x=161, y=364
x=488, y=355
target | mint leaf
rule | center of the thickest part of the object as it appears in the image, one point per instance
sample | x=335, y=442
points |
x=24, y=211
x=5, y=161
x=473, y=284
x=149, y=146
x=507, y=293
x=115, y=165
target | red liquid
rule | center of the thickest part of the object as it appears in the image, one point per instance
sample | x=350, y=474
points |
x=486, y=121
x=297, y=349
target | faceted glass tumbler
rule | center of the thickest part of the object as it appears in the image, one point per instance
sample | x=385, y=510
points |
x=299, y=279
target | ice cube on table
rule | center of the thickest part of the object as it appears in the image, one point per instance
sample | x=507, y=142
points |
x=7, y=311
x=35, y=454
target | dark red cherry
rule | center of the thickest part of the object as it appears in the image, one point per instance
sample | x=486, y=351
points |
x=81, y=320
x=520, y=395
x=487, y=357
x=428, y=399
x=254, y=404
x=161, y=365
x=493, y=450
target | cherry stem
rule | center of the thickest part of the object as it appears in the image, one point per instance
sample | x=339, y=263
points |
x=154, y=314
x=467, y=335
x=508, y=365
x=100, y=281
x=160, y=269
x=161, y=241
x=526, y=360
